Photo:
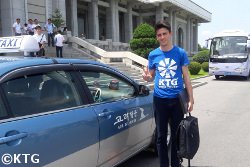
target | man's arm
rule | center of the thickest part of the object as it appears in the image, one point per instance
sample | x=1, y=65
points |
x=189, y=87
x=45, y=27
x=44, y=40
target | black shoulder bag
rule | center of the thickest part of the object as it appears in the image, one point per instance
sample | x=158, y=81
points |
x=41, y=52
x=188, y=138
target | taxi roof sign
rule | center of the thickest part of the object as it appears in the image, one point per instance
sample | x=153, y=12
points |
x=25, y=43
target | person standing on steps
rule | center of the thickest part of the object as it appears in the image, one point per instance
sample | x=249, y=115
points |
x=50, y=28
x=59, y=39
x=41, y=39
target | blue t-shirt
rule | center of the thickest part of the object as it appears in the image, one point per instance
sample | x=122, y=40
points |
x=168, y=71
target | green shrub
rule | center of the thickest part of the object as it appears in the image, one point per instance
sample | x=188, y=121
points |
x=205, y=66
x=143, y=40
x=202, y=56
x=142, y=43
x=194, y=68
x=144, y=31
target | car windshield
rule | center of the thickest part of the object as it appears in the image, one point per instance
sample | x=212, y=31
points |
x=229, y=47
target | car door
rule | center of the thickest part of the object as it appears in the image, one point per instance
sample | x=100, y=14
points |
x=125, y=118
x=48, y=122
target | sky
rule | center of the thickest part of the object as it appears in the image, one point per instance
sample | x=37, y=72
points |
x=226, y=15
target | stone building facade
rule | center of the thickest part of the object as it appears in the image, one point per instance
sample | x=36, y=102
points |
x=111, y=19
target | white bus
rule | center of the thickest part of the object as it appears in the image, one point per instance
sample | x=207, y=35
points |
x=229, y=55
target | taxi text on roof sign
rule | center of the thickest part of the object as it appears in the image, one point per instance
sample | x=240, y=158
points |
x=10, y=42
x=25, y=43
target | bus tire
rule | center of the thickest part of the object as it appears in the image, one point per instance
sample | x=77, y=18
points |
x=217, y=77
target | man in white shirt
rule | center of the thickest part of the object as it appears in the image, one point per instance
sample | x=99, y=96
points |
x=17, y=27
x=30, y=27
x=41, y=39
x=35, y=24
x=50, y=27
x=59, y=43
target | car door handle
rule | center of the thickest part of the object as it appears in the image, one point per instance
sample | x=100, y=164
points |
x=106, y=113
x=13, y=137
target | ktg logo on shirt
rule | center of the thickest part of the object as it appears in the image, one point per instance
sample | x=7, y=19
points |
x=167, y=69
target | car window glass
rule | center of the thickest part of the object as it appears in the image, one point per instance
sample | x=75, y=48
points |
x=33, y=94
x=3, y=112
x=105, y=87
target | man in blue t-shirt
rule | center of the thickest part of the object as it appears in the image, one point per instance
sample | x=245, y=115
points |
x=168, y=67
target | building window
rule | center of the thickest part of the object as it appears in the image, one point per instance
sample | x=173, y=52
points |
x=180, y=37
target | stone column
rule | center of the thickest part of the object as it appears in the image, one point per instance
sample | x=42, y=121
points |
x=114, y=15
x=94, y=20
x=188, y=35
x=74, y=22
x=195, y=39
x=172, y=15
x=10, y=10
x=128, y=24
x=191, y=37
x=140, y=19
x=159, y=13
x=108, y=23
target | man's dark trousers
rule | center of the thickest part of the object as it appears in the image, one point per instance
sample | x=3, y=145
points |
x=167, y=110
x=51, y=37
x=59, y=51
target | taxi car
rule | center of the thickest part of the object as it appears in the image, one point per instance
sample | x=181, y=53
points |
x=69, y=112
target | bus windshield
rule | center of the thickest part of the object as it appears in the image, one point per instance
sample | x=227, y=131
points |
x=229, y=47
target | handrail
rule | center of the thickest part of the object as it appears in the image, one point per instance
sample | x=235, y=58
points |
x=87, y=45
x=128, y=57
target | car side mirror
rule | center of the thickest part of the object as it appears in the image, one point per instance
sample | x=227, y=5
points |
x=143, y=90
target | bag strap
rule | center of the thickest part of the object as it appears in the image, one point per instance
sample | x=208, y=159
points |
x=41, y=38
x=189, y=163
x=187, y=114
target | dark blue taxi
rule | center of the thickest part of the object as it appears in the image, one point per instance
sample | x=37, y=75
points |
x=70, y=112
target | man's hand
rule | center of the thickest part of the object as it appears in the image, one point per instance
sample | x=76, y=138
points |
x=190, y=106
x=146, y=75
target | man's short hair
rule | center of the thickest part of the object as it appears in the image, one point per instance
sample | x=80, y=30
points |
x=162, y=24
x=38, y=27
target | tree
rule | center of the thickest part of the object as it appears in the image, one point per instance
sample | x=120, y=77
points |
x=143, y=40
x=57, y=18
x=201, y=48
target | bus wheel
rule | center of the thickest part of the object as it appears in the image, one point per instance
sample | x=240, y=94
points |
x=217, y=77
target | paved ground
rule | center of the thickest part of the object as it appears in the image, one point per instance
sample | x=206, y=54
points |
x=223, y=109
